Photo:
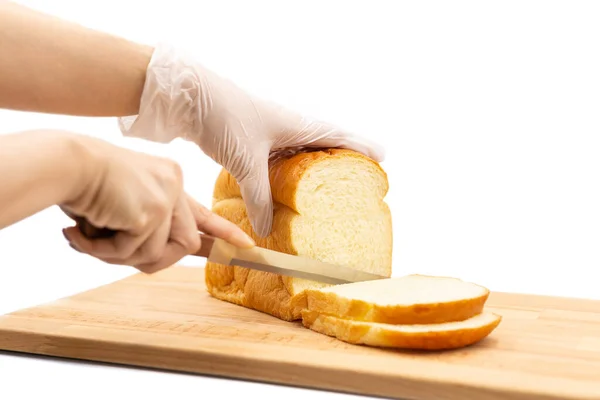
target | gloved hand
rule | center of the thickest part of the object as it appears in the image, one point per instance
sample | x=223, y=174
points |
x=182, y=99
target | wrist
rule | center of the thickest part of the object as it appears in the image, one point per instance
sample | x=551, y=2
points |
x=77, y=165
x=172, y=104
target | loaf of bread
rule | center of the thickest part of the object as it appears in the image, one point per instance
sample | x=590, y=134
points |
x=411, y=299
x=329, y=206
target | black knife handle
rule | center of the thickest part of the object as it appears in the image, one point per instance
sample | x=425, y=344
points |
x=91, y=232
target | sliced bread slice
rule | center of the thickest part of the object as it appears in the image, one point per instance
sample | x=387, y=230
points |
x=412, y=299
x=444, y=336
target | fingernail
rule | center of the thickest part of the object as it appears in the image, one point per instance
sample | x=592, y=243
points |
x=74, y=248
x=246, y=240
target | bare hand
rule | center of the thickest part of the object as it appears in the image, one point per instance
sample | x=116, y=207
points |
x=141, y=197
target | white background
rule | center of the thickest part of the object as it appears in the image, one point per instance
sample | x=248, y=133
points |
x=488, y=110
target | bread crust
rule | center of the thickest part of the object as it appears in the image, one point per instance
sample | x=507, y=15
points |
x=331, y=304
x=370, y=334
x=263, y=291
x=285, y=173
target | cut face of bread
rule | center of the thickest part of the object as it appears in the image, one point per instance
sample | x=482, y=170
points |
x=444, y=336
x=412, y=299
x=329, y=206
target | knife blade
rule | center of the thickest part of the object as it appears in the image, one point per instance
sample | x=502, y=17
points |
x=219, y=251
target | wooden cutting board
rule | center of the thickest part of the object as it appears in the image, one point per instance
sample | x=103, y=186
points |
x=545, y=347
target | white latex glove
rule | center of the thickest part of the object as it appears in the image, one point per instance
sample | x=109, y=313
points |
x=182, y=99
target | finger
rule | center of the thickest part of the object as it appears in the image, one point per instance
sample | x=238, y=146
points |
x=68, y=213
x=74, y=247
x=256, y=193
x=173, y=252
x=182, y=232
x=98, y=248
x=102, y=248
x=108, y=260
x=153, y=248
x=319, y=134
x=71, y=245
x=184, y=229
x=148, y=252
x=183, y=240
x=215, y=225
x=122, y=245
x=78, y=240
x=83, y=224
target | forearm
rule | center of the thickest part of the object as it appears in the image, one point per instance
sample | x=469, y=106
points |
x=38, y=169
x=53, y=66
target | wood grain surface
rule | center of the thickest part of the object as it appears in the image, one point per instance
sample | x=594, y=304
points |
x=545, y=347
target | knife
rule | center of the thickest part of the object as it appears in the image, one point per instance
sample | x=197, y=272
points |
x=221, y=252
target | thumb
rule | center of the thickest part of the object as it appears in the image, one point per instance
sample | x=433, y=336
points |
x=256, y=193
x=311, y=133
